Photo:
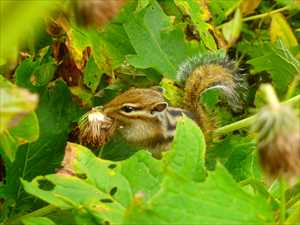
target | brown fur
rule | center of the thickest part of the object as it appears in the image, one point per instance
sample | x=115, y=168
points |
x=201, y=79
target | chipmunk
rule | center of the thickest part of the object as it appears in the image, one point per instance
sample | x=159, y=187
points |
x=145, y=119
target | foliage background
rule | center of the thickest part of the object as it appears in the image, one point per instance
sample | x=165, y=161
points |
x=69, y=68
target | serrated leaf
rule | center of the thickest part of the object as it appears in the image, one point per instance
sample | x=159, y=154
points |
x=281, y=29
x=279, y=62
x=109, y=47
x=219, y=200
x=165, y=50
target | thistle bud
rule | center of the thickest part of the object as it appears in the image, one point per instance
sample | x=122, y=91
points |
x=278, y=140
x=95, y=128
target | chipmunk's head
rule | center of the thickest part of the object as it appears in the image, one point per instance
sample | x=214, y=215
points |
x=136, y=104
x=138, y=114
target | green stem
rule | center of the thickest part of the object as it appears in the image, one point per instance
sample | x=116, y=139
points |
x=270, y=96
x=40, y=212
x=247, y=121
x=255, y=17
x=282, y=187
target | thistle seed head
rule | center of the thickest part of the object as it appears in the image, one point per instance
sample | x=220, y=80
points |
x=278, y=141
x=95, y=128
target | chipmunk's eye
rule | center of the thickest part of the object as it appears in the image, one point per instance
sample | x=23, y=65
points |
x=127, y=109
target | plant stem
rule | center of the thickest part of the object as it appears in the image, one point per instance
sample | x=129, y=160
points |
x=259, y=16
x=248, y=121
x=266, y=14
x=282, y=187
x=270, y=96
x=39, y=212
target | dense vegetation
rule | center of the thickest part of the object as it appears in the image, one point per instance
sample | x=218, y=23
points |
x=54, y=69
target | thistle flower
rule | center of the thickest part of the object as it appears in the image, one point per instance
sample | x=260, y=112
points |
x=95, y=128
x=278, y=138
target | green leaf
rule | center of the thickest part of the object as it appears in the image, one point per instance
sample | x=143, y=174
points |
x=143, y=190
x=221, y=9
x=15, y=104
x=280, y=28
x=232, y=29
x=35, y=74
x=187, y=161
x=25, y=132
x=37, y=221
x=109, y=47
x=157, y=46
x=92, y=75
x=280, y=63
x=56, y=112
x=18, y=123
x=238, y=155
x=12, y=29
x=99, y=188
x=219, y=200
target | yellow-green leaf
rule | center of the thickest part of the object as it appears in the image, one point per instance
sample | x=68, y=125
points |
x=232, y=29
x=280, y=28
x=248, y=6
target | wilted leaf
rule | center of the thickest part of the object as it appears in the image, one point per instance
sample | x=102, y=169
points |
x=199, y=12
x=109, y=47
x=281, y=29
x=248, y=6
x=232, y=29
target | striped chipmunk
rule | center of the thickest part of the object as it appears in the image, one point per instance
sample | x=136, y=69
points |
x=145, y=119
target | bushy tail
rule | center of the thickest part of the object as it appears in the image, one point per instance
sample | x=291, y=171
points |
x=207, y=71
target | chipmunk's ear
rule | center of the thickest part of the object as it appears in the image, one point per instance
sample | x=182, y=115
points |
x=159, y=107
x=158, y=88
